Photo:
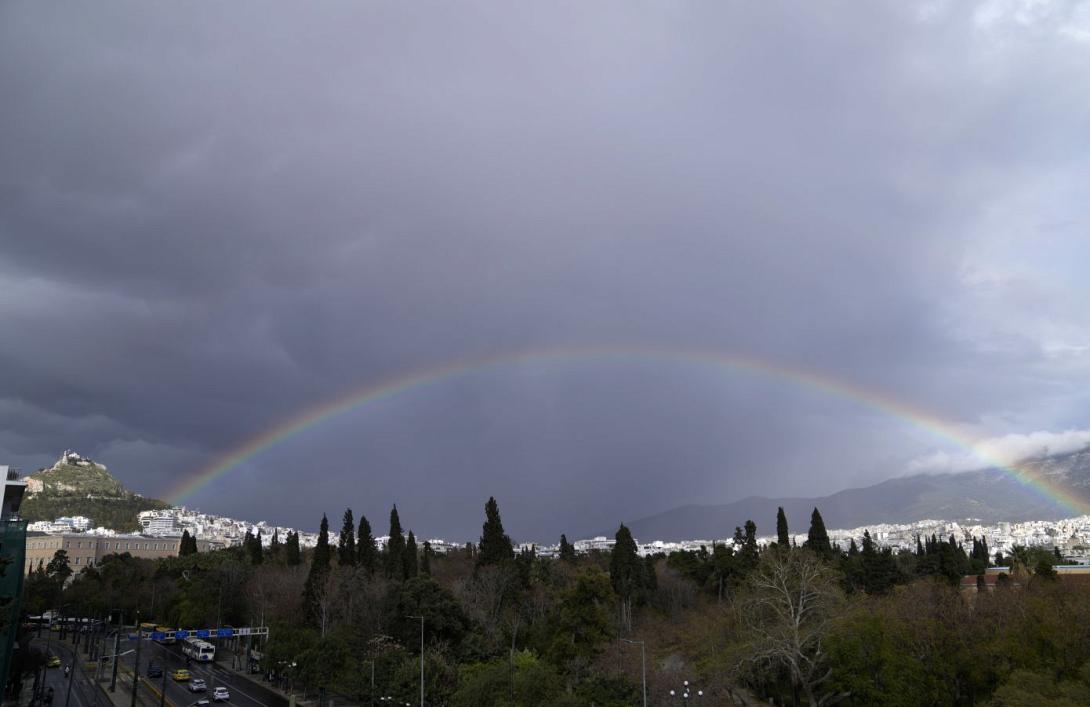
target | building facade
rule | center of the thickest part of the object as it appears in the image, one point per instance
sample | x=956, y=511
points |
x=12, y=547
x=86, y=550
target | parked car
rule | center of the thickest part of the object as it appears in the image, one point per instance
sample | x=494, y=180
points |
x=180, y=675
x=197, y=685
x=155, y=670
x=220, y=694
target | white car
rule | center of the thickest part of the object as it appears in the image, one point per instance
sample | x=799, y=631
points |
x=197, y=685
x=220, y=694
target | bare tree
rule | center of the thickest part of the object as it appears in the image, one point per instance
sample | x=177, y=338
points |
x=327, y=601
x=786, y=613
x=485, y=595
x=676, y=594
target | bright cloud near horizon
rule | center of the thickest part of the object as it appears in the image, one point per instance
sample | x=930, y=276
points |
x=1009, y=449
x=216, y=217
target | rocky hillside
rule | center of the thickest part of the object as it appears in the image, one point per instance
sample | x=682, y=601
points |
x=76, y=486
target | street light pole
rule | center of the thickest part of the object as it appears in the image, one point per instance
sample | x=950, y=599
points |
x=117, y=649
x=136, y=661
x=421, y=617
x=163, y=684
x=643, y=666
x=372, y=700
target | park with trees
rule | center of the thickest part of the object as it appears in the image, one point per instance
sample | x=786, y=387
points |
x=497, y=624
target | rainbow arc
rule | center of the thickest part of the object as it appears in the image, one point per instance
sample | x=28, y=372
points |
x=375, y=393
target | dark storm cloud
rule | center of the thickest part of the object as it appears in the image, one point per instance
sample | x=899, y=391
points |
x=214, y=216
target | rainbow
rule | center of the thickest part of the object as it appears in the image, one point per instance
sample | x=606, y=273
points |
x=377, y=392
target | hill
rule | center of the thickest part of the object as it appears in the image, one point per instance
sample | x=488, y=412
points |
x=988, y=494
x=76, y=486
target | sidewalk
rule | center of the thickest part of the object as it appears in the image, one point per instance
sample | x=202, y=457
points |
x=226, y=660
x=123, y=696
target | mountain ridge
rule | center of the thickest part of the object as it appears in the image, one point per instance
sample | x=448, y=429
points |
x=989, y=494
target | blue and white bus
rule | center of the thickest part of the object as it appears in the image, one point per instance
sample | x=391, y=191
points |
x=198, y=650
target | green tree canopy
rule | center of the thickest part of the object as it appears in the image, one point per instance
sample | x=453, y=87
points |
x=783, y=539
x=495, y=546
x=292, y=554
x=410, y=558
x=346, y=543
x=817, y=539
x=567, y=550
x=365, y=546
x=395, y=547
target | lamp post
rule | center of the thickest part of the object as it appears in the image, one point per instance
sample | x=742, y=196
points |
x=136, y=662
x=372, y=662
x=643, y=665
x=117, y=649
x=421, y=617
x=687, y=692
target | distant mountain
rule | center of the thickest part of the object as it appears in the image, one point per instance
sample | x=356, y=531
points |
x=77, y=486
x=988, y=494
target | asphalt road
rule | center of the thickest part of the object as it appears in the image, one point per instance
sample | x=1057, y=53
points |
x=243, y=692
x=84, y=693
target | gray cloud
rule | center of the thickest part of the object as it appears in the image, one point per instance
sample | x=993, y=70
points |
x=214, y=217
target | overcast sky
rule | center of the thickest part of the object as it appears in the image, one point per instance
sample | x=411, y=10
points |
x=215, y=215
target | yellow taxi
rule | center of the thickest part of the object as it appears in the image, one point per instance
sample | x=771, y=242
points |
x=53, y=662
x=180, y=675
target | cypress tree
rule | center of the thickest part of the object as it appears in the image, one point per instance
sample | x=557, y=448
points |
x=248, y=544
x=853, y=549
x=627, y=573
x=322, y=553
x=818, y=538
x=292, y=554
x=257, y=553
x=395, y=547
x=495, y=547
x=409, y=558
x=319, y=570
x=425, y=560
x=750, y=553
x=183, y=546
x=365, y=546
x=782, y=537
x=567, y=550
x=346, y=544
x=274, y=544
x=919, y=547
